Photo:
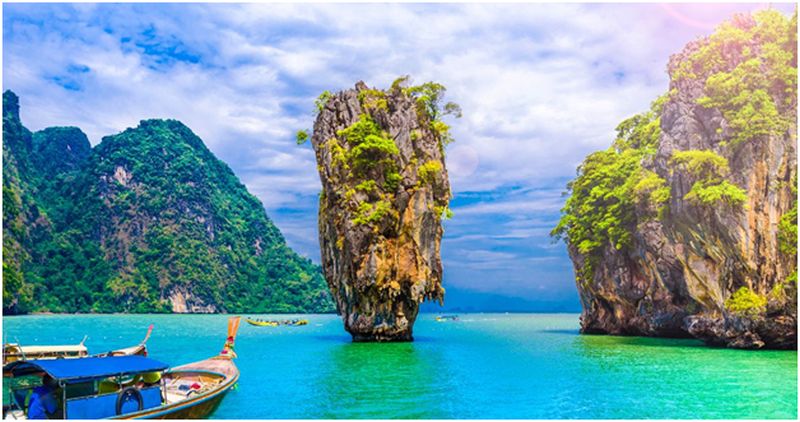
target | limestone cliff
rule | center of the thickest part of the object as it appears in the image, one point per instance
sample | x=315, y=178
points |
x=687, y=225
x=384, y=190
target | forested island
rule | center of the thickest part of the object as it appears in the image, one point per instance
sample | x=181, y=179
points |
x=149, y=220
x=687, y=224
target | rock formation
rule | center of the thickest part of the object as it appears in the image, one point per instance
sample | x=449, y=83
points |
x=380, y=158
x=696, y=235
x=149, y=220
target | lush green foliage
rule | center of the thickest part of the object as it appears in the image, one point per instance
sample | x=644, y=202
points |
x=601, y=210
x=367, y=186
x=708, y=169
x=702, y=164
x=746, y=302
x=792, y=279
x=359, y=130
x=428, y=171
x=787, y=227
x=751, y=73
x=369, y=213
x=443, y=211
x=370, y=148
x=717, y=193
x=323, y=98
x=151, y=214
x=371, y=151
x=429, y=97
x=18, y=209
x=368, y=155
x=301, y=137
x=373, y=99
x=370, y=159
x=652, y=189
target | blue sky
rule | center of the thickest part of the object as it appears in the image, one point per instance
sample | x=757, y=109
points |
x=541, y=86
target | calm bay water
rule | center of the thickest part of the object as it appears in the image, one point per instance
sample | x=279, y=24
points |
x=482, y=366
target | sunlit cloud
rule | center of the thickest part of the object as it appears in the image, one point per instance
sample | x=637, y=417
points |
x=541, y=86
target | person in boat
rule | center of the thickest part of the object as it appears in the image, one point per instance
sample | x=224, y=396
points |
x=43, y=402
x=148, y=379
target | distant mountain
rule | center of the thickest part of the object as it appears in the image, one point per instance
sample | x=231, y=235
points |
x=464, y=300
x=147, y=221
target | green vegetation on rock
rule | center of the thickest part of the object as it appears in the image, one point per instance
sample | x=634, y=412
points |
x=787, y=227
x=652, y=189
x=372, y=213
x=708, y=170
x=787, y=236
x=323, y=98
x=370, y=153
x=658, y=225
x=380, y=158
x=429, y=97
x=147, y=221
x=428, y=171
x=746, y=302
x=301, y=137
x=370, y=148
x=751, y=94
x=600, y=211
x=373, y=99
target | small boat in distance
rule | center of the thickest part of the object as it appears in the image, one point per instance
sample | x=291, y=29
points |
x=14, y=351
x=270, y=323
x=260, y=323
x=443, y=318
x=123, y=387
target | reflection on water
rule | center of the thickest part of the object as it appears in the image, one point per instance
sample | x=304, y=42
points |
x=386, y=380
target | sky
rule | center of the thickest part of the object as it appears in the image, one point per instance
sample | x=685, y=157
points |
x=540, y=85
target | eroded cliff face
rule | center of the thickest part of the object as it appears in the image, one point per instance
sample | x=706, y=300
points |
x=710, y=263
x=384, y=191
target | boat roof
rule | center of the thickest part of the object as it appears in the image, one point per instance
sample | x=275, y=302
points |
x=77, y=348
x=73, y=370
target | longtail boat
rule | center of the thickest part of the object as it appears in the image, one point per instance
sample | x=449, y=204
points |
x=137, y=350
x=260, y=323
x=13, y=351
x=145, y=388
x=443, y=318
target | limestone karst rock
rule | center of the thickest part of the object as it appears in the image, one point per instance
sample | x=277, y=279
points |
x=380, y=158
x=717, y=158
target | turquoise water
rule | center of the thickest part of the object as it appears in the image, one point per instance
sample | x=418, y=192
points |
x=483, y=366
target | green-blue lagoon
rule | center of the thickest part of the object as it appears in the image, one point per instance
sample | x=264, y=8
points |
x=481, y=366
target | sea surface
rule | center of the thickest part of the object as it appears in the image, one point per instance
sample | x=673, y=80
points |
x=481, y=366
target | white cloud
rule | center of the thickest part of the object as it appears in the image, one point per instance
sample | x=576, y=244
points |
x=540, y=85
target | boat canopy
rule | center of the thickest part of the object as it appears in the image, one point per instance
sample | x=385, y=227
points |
x=77, y=348
x=76, y=370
